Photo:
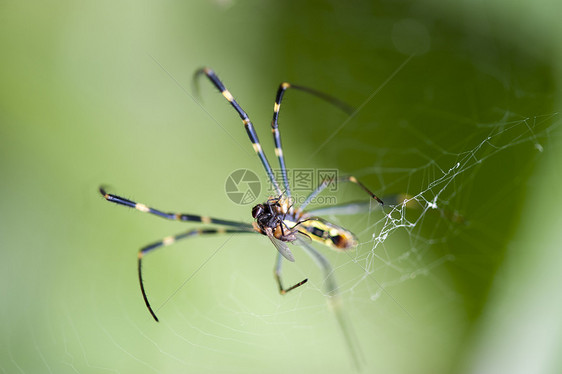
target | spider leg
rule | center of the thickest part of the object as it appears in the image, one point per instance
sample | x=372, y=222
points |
x=336, y=304
x=170, y=240
x=239, y=227
x=277, y=272
x=277, y=136
x=326, y=182
x=344, y=209
x=275, y=122
x=245, y=119
x=171, y=216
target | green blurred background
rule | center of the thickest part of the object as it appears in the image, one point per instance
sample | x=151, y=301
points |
x=99, y=92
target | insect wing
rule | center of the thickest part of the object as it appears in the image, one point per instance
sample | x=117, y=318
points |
x=281, y=246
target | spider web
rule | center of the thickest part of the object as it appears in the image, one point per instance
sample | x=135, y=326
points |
x=437, y=207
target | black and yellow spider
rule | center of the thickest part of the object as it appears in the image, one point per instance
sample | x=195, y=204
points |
x=277, y=218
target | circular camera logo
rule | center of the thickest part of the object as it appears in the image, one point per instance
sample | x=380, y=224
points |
x=243, y=186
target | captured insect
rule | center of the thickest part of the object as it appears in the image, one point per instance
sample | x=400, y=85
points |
x=277, y=218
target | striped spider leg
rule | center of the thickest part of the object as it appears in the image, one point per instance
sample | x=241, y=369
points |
x=235, y=228
x=336, y=304
x=245, y=120
x=275, y=122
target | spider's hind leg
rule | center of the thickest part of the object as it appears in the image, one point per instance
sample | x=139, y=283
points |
x=278, y=272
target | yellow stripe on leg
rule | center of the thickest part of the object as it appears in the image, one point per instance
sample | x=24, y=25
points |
x=142, y=207
x=227, y=95
x=257, y=147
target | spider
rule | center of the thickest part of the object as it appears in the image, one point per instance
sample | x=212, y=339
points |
x=277, y=218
